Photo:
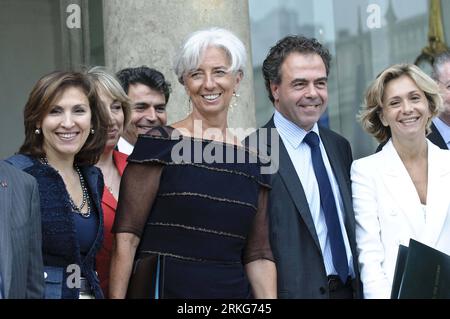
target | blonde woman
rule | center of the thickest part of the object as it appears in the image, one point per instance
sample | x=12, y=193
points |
x=112, y=162
x=400, y=192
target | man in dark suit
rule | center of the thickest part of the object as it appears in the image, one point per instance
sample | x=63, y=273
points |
x=312, y=260
x=440, y=129
x=436, y=138
x=21, y=266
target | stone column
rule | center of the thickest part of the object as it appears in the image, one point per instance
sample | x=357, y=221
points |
x=148, y=32
x=445, y=7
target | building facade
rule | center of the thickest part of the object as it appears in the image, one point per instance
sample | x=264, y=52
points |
x=364, y=37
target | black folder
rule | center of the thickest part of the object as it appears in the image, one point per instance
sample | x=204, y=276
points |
x=421, y=272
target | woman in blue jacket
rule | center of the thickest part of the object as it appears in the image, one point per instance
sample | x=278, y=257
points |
x=65, y=133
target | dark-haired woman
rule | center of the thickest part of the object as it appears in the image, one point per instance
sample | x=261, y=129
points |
x=65, y=133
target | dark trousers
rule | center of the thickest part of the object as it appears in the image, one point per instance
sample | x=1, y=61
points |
x=339, y=290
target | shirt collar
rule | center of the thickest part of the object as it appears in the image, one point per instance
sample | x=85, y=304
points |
x=124, y=146
x=289, y=131
x=443, y=129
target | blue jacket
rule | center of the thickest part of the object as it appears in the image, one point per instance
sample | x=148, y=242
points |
x=60, y=246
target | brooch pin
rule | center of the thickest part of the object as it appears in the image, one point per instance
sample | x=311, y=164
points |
x=3, y=184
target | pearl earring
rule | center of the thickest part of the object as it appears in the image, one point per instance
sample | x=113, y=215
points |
x=189, y=110
x=37, y=131
x=234, y=100
x=92, y=131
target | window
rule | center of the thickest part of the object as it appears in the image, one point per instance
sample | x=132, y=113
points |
x=36, y=40
x=361, y=48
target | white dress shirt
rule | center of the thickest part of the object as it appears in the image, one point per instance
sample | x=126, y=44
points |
x=124, y=146
x=300, y=154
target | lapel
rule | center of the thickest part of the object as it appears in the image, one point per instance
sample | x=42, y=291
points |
x=91, y=178
x=5, y=234
x=108, y=199
x=438, y=200
x=288, y=174
x=91, y=175
x=436, y=137
x=339, y=171
x=120, y=161
x=400, y=187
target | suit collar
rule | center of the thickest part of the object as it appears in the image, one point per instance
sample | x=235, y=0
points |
x=400, y=187
x=403, y=192
x=438, y=201
x=392, y=163
x=269, y=125
x=342, y=178
x=288, y=174
x=396, y=167
x=120, y=161
x=436, y=137
x=289, y=131
x=108, y=199
x=92, y=175
x=440, y=133
x=295, y=188
x=94, y=179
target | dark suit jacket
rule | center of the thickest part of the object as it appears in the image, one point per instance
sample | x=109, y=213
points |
x=435, y=137
x=295, y=245
x=21, y=265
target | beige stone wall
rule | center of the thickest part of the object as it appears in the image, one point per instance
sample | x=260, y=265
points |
x=139, y=32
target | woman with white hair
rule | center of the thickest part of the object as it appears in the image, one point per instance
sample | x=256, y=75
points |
x=191, y=220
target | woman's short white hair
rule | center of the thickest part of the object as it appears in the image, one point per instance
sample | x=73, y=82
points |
x=192, y=49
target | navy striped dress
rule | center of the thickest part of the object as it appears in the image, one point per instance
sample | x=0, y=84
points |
x=199, y=208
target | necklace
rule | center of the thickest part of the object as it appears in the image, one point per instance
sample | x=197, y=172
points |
x=75, y=208
x=85, y=201
x=109, y=177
